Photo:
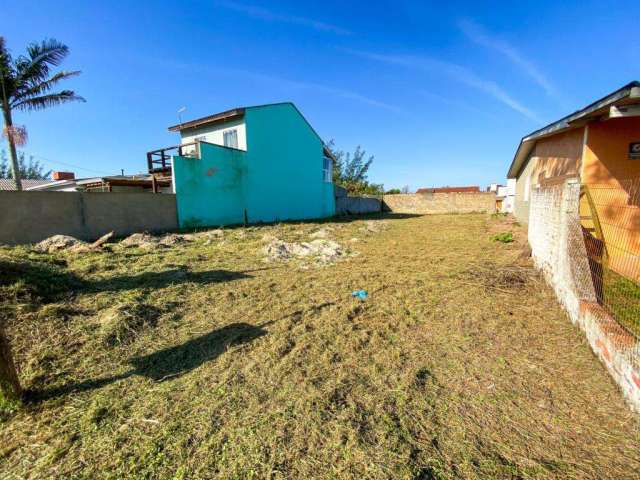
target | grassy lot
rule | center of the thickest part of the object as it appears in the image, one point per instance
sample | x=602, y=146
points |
x=201, y=360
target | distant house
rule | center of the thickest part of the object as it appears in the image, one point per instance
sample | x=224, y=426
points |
x=253, y=164
x=505, y=195
x=67, y=182
x=471, y=189
x=599, y=144
x=7, y=184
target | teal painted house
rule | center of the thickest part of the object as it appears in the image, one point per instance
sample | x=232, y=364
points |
x=254, y=164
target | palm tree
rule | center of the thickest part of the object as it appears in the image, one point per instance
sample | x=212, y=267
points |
x=25, y=84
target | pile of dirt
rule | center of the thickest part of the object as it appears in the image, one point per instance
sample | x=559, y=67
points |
x=322, y=233
x=57, y=243
x=374, y=226
x=324, y=251
x=140, y=240
x=172, y=239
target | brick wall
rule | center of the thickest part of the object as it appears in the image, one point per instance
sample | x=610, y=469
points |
x=429, y=203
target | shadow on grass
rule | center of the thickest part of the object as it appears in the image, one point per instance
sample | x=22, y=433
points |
x=337, y=219
x=163, y=279
x=169, y=362
x=44, y=281
x=173, y=362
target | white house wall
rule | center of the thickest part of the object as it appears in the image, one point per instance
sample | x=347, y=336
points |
x=215, y=133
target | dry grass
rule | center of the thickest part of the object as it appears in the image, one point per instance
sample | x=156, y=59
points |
x=201, y=361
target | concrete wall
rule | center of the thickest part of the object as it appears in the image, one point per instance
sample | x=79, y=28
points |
x=558, y=155
x=524, y=187
x=606, y=159
x=28, y=217
x=422, y=203
x=279, y=177
x=357, y=205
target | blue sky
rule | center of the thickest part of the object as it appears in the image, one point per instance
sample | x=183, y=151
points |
x=439, y=92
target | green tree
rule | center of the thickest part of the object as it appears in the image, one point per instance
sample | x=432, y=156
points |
x=31, y=170
x=350, y=171
x=25, y=85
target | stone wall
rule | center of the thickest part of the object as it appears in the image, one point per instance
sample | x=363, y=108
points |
x=28, y=217
x=426, y=203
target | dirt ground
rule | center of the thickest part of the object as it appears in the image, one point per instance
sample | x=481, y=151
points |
x=242, y=354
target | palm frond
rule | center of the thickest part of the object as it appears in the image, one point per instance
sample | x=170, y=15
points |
x=42, y=87
x=34, y=67
x=7, y=73
x=50, y=100
x=49, y=51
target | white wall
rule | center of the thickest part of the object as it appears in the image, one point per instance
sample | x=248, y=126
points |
x=214, y=133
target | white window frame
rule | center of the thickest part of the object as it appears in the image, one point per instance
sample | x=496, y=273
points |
x=230, y=138
x=327, y=169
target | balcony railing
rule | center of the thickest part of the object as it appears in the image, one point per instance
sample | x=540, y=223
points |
x=159, y=161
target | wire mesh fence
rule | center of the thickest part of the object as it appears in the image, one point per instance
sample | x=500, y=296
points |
x=610, y=220
x=586, y=239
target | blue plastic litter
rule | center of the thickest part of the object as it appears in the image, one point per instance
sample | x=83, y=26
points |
x=361, y=294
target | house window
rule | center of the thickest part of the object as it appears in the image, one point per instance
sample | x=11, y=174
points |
x=230, y=138
x=327, y=169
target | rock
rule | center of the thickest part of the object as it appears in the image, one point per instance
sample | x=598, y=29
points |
x=58, y=242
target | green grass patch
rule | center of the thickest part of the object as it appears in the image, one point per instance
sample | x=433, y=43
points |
x=622, y=297
x=504, y=237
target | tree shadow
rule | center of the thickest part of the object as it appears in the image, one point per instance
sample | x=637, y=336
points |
x=169, y=362
x=173, y=362
x=164, y=278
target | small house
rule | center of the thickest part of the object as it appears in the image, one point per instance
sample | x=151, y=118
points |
x=253, y=164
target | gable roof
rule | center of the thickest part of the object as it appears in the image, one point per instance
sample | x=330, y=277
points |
x=239, y=112
x=629, y=94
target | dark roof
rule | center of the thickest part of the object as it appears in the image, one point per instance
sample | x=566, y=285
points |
x=9, y=184
x=628, y=94
x=215, y=118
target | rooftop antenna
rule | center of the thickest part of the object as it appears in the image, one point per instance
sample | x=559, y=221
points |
x=180, y=111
